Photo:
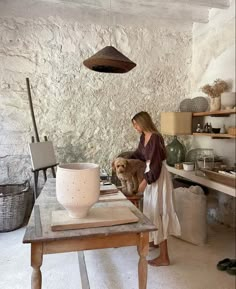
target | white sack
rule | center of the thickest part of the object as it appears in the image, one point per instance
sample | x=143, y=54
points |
x=191, y=209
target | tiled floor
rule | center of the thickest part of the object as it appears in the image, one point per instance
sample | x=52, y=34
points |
x=192, y=267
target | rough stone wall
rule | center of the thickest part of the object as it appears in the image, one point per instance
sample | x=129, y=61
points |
x=214, y=57
x=86, y=114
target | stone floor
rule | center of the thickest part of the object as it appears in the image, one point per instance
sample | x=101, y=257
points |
x=192, y=267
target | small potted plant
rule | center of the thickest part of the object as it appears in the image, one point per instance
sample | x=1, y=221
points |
x=214, y=92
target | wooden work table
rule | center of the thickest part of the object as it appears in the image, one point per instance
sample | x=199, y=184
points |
x=44, y=241
x=190, y=175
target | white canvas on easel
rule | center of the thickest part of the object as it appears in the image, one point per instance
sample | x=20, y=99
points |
x=42, y=155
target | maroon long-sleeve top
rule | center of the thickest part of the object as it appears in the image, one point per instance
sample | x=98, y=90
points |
x=154, y=151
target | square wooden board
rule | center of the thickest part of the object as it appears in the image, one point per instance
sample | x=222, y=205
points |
x=108, y=189
x=118, y=196
x=97, y=217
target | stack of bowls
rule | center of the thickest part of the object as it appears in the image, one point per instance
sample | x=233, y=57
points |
x=188, y=166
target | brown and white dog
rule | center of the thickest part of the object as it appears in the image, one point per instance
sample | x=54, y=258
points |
x=130, y=172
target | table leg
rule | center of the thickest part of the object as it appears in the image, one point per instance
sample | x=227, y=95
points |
x=36, y=262
x=142, y=264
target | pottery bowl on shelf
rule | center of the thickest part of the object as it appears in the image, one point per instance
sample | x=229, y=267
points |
x=78, y=187
x=216, y=129
x=188, y=166
x=228, y=100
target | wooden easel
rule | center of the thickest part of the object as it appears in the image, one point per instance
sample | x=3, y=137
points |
x=36, y=139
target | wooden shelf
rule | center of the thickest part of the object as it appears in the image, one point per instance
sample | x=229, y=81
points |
x=215, y=113
x=214, y=135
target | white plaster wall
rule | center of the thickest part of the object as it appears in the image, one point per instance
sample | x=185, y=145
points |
x=86, y=114
x=214, y=57
x=214, y=49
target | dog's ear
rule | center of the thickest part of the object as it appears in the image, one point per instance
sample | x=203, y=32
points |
x=126, y=162
x=113, y=166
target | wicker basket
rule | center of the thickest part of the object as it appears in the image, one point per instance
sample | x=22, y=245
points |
x=232, y=130
x=13, y=203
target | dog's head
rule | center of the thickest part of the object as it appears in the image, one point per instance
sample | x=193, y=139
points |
x=119, y=165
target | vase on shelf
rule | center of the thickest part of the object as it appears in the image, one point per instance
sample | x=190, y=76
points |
x=175, y=152
x=215, y=103
x=228, y=100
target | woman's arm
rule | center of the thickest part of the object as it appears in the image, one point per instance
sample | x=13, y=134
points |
x=156, y=154
x=142, y=186
x=136, y=155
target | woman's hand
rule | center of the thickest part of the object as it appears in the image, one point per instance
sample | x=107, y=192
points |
x=142, y=186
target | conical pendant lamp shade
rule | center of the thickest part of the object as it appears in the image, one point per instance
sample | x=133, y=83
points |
x=109, y=60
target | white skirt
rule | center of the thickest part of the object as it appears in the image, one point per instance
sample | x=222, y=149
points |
x=158, y=206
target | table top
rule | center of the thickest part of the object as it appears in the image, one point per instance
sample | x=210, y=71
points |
x=190, y=175
x=39, y=226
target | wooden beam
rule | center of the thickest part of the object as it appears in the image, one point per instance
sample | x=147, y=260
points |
x=175, y=12
x=221, y=4
x=123, y=12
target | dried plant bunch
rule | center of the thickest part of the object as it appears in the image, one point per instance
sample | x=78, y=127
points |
x=219, y=86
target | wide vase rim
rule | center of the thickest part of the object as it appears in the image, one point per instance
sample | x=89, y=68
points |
x=78, y=166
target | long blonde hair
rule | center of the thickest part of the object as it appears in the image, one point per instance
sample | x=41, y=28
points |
x=145, y=122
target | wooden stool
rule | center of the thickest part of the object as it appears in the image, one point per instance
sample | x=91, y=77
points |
x=135, y=199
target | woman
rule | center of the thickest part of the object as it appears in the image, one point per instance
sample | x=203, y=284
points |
x=156, y=186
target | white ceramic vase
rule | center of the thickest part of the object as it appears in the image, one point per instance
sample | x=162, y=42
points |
x=78, y=187
x=215, y=103
x=228, y=100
